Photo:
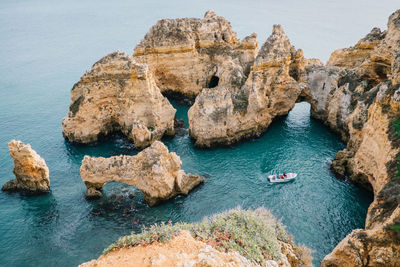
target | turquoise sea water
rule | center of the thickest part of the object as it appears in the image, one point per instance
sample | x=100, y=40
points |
x=45, y=46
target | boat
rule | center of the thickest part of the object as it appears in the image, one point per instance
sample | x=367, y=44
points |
x=275, y=178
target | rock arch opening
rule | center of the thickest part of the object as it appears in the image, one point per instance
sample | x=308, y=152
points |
x=213, y=82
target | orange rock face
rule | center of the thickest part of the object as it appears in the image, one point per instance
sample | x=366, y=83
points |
x=31, y=172
x=118, y=94
x=185, y=54
x=364, y=107
x=182, y=250
x=155, y=171
x=235, y=111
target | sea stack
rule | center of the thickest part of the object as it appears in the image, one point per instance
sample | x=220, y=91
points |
x=118, y=94
x=155, y=171
x=244, y=108
x=31, y=171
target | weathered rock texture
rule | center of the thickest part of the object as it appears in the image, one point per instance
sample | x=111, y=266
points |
x=225, y=239
x=155, y=171
x=182, y=250
x=234, y=111
x=118, y=94
x=189, y=54
x=357, y=95
x=31, y=172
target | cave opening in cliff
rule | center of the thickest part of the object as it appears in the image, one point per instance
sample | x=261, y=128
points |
x=213, y=82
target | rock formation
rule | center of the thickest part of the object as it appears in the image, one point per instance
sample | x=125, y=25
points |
x=358, y=95
x=182, y=250
x=118, y=94
x=239, y=93
x=189, y=54
x=234, y=111
x=31, y=172
x=225, y=239
x=155, y=171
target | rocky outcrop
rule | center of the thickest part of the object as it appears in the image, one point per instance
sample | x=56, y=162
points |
x=357, y=95
x=189, y=54
x=225, y=239
x=31, y=172
x=118, y=94
x=235, y=111
x=155, y=171
x=181, y=250
x=377, y=246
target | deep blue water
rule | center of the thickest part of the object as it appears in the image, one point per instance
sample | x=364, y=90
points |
x=45, y=46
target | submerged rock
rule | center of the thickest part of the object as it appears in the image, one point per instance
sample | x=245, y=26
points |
x=189, y=54
x=155, y=171
x=118, y=94
x=235, y=111
x=31, y=171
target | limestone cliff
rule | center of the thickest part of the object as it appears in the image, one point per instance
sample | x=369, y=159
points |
x=31, y=171
x=155, y=171
x=181, y=250
x=189, y=54
x=357, y=95
x=225, y=239
x=118, y=94
x=231, y=112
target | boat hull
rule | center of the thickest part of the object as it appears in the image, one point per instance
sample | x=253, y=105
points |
x=276, y=179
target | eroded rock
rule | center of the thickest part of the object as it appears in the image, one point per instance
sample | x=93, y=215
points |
x=31, y=171
x=231, y=112
x=155, y=171
x=118, y=94
x=357, y=97
x=189, y=54
x=182, y=250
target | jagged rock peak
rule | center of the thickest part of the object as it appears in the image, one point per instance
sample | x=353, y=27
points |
x=209, y=14
x=276, y=50
x=31, y=171
x=240, y=110
x=155, y=171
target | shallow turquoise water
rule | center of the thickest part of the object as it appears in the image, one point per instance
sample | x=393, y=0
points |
x=45, y=46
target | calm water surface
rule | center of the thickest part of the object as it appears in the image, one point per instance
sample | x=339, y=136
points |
x=45, y=46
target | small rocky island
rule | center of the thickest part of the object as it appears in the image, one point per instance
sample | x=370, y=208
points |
x=31, y=171
x=238, y=91
x=118, y=94
x=155, y=171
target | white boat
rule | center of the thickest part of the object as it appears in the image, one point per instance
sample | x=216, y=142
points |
x=276, y=178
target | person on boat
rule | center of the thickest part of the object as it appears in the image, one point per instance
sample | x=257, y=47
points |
x=281, y=176
x=284, y=174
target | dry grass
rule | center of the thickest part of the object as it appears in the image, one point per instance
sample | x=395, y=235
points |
x=255, y=234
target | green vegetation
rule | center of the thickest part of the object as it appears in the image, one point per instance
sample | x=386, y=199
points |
x=75, y=106
x=255, y=234
x=396, y=131
x=396, y=227
x=396, y=126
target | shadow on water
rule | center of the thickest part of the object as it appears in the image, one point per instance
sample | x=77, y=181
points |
x=112, y=145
